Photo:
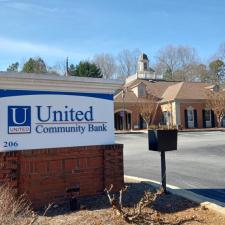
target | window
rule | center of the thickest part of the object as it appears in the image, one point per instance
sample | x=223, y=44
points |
x=207, y=115
x=141, y=90
x=145, y=66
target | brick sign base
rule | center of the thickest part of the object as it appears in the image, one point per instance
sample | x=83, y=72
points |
x=45, y=175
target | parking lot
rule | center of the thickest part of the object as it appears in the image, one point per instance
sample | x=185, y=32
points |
x=197, y=165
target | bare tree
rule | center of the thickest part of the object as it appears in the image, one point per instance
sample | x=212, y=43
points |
x=117, y=204
x=59, y=67
x=221, y=52
x=106, y=62
x=127, y=62
x=203, y=73
x=176, y=62
x=167, y=61
x=147, y=107
x=216, y=102
x=53, y=70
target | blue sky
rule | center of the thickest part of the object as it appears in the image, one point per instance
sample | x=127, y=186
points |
x=79, y=29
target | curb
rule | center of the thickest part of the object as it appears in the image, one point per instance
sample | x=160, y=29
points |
x=127, y=132
x=201, y=200
x=131, y=132
x=179, y=131
x=201, y=130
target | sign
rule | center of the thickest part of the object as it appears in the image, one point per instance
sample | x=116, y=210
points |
x=44, y=119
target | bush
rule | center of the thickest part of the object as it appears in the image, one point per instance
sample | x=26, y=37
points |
x=14, y=211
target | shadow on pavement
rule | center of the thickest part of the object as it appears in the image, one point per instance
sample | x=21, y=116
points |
x=214, y=194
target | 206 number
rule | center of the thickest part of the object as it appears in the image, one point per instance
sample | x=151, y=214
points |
x=10, y=144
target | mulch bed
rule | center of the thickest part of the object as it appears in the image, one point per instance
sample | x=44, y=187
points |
x=167, y=209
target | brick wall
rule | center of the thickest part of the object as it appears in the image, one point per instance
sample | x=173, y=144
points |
x=9, y=168
x=45, y=175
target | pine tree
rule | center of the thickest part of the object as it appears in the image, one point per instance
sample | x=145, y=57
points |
x=85, y=69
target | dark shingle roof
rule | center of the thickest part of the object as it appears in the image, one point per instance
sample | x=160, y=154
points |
x=143, y=56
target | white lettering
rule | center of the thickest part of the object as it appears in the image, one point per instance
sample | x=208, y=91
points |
x=15, y=117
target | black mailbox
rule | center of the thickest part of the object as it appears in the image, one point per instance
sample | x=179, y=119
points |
x=162, y=140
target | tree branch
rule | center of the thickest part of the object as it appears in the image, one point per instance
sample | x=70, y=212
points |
x=147, y=199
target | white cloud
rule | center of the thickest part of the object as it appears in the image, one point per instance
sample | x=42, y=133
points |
x=28, y=48
x=25, y=6
x=38, y=8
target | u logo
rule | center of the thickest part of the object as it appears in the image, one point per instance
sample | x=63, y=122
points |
x=19, y=119
x=22, y=118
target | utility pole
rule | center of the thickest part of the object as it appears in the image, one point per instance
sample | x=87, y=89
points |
x=67, y=66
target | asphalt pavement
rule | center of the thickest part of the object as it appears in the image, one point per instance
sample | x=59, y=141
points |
x=198, y=165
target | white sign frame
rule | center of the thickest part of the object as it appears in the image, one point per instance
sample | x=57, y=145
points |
x=57, y=119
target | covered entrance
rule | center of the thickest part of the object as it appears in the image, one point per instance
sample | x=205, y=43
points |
x=121, y=119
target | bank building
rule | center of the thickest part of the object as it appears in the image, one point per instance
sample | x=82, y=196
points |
x=179, y=104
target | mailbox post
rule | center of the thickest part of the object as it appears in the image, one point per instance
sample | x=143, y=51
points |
x=163, y=170
x=162, y=141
